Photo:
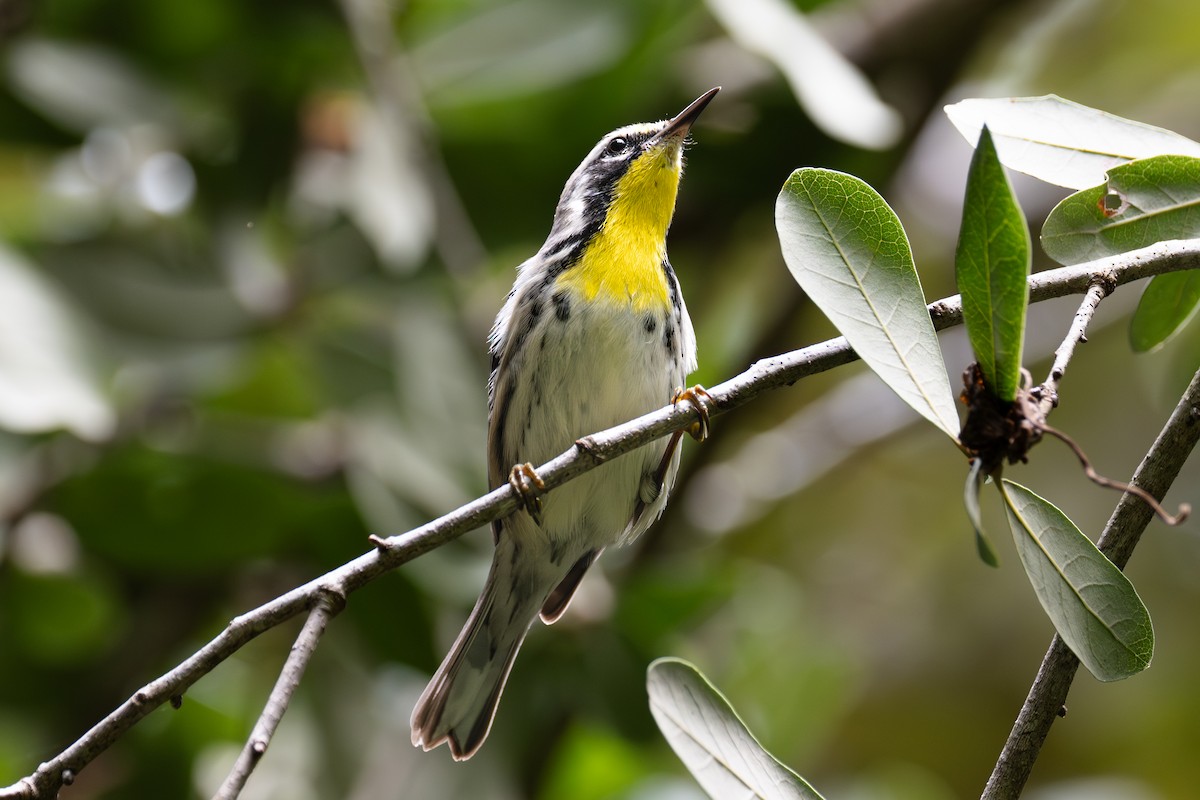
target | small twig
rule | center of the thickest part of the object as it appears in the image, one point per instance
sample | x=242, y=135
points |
x=389, y=553
x=1048, y=694
x=1047, y=393
x=327, y=605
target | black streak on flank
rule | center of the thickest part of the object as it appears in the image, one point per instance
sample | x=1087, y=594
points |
x=650, y=323
x=528, y=312
x=669, y=339
x=500, y=411
x=562, y=306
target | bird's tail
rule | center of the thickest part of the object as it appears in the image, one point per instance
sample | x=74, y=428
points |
x=460, y=701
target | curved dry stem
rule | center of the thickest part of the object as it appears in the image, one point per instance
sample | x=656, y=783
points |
x=1098, y=479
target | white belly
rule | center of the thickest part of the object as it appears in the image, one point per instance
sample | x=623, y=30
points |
x=602, y=366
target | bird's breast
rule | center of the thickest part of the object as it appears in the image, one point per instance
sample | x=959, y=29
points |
x=622, y=268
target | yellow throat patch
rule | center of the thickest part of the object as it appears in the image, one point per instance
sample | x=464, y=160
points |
x=623, y=263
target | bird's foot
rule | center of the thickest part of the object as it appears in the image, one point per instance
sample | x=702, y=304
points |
x=698, y=397
x=528, y=486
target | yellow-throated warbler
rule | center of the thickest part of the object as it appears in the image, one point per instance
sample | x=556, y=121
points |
x=594, y=332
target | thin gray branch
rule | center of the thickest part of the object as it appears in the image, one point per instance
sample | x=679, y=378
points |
x=1048, y=695
x=763, y=376
x=1077, y=334
x=326, y=606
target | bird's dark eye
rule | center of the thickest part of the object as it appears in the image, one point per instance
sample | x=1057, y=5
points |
x=617, y=146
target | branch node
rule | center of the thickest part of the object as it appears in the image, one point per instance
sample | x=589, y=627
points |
x=258, y=747
x=333, y=598
x=589, y=445
x=1106, y=280
x=68, y=777
x=941, y=310
x=380, y=544
x=141, y=697
x=1062, y=711
x=176, y=701
x=995, y=430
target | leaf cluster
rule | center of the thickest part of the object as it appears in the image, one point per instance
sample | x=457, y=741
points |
x=847, y=249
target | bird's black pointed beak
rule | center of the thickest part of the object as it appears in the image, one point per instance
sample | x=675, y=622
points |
x=681, y=123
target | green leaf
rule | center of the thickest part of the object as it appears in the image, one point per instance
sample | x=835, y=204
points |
x=1141, y=203
x=713, y=743
x=1062, y=142
x=848, y=251
x=1092, y=604
x=975, y=480
x=991, y=266
x=1167, y=304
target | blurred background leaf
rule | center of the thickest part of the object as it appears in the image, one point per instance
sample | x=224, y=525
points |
x=268, y=240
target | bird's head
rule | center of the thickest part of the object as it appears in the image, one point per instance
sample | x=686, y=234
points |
x=630, y=177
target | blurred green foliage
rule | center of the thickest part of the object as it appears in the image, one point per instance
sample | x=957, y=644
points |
x=250, y=254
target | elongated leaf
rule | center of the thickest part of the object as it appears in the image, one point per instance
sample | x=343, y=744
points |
x=991, y=266
x=1167, y=304
x=848, y=251
x=983, y=545
x=1062, y=142
x=1092, y=604
x=1142, y=202
x=715, y=745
